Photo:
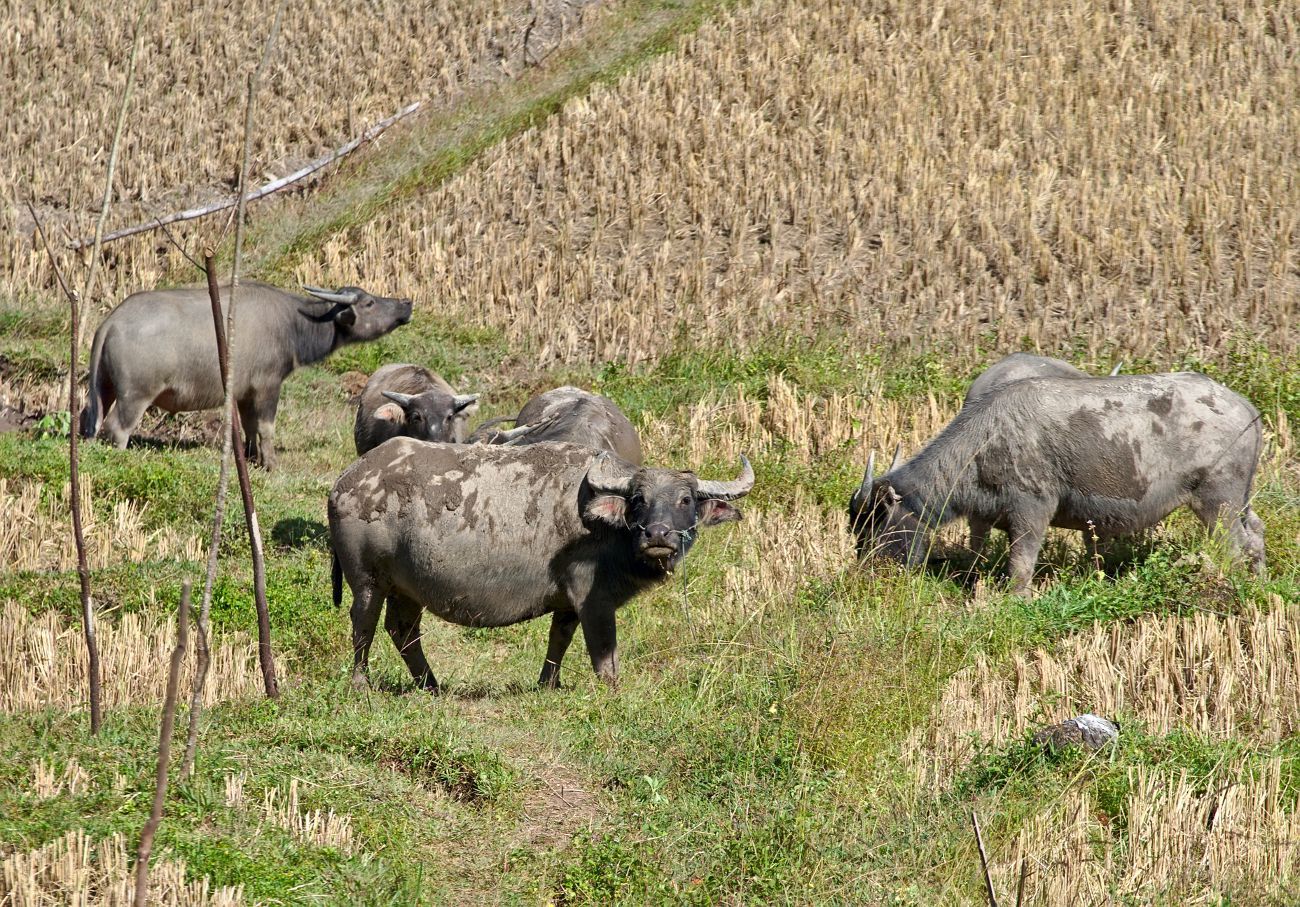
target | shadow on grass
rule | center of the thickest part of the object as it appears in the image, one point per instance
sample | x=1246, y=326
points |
x=297, y=532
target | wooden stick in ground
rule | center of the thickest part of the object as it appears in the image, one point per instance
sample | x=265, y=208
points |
x=1020, y=886
x=228, y=420
x=984, y=860
x=78, y=535
x=265, y=655
x=164, y=749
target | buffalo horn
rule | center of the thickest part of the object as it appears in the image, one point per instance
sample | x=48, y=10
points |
x=511, y=435
x=331, y=295
x=898, y=457
x=868, y=475
x=402, y=400
x=1115, y=371
x=460, y=401
x=729, y=491
x=605, y=475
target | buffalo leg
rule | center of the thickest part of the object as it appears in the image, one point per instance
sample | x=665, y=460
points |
x=1026, y=541
x=563, y=623
x=979, y=536
x=402, y=621
x=267, y=405
x=366, y=605
x=124, y=419
x=599, y=631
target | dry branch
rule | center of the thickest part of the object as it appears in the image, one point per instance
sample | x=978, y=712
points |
x=164, y=749
x=984, y=860
x=266, y=189
x=78, y=533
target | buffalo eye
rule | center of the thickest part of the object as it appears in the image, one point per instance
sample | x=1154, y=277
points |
x=416, y=417
x=370, y=303
x=684, y=501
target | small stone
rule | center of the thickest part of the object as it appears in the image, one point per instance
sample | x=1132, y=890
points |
x=1091, y=732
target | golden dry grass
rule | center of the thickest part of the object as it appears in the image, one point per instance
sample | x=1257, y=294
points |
x=1233, y=676
x=338, y=68
x=944, y=175
x=36, y=530
x=282, y=807
x=43, y=662
x=49, y=782
x=76, y=870
x=1185, y=844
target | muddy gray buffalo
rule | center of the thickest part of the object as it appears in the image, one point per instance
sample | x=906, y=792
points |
x=574, y=416
x=158, y=348
x=488, y=535
x=409, y=401
x=1118, y=454
x=1019, y=366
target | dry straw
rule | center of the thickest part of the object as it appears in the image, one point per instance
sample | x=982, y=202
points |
x=1235, y=676
x=35, y=531
x=969, y=176
x=76, y=870
x=1186, y=842
x=42, y=662
x=282, y=807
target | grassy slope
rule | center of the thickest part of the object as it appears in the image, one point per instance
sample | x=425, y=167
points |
x=746, y=758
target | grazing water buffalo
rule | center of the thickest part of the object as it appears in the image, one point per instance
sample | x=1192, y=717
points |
x=1117, y=453
x=487, y=535
x=1018, y=366
x=413, y=402
x=159, y=348
x=574, y=416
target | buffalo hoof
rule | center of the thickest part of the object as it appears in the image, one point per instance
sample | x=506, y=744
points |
x=361, y=683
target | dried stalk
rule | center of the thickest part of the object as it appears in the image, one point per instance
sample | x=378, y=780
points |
x=266, y=189
x=984, y=860
x=228, y=422
x=1020, y=886
x=164, y=749
x=264, y=652
x=78, y=533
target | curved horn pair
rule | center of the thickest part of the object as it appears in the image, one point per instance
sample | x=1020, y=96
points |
x=331, y=295
x=729, y=491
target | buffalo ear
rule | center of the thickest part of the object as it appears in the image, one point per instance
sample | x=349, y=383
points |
x=346, y=316
x=885, y=492
x=711, y=511
x=391, y=412
x=608, y=508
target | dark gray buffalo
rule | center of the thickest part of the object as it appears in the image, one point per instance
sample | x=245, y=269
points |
x=1119, y=453
x=486, y=536
x=574, y=416
x=411, y=402
x=159, y=348
x=1019, y=366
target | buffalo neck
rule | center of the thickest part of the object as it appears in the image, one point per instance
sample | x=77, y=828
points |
x=315, y=333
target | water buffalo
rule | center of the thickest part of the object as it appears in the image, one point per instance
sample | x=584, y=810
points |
x=574, y=416
x=1023, y=365
x=1017, y=367
x=159, y=348
x=413, y=402
x=489, y=535
x=1117, y=453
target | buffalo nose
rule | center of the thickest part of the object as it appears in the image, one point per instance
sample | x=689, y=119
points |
x=657, y=535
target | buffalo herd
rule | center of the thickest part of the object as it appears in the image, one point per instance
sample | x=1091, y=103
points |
x=559, y=515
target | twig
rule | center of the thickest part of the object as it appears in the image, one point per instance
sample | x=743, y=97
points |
x=218, y=518
x=266, y=189
x=171, y=238
x=164, y=749
x=74, y=486
x=1020, y=886
x=89, y=287
x=984, y=860
x=265, y=655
